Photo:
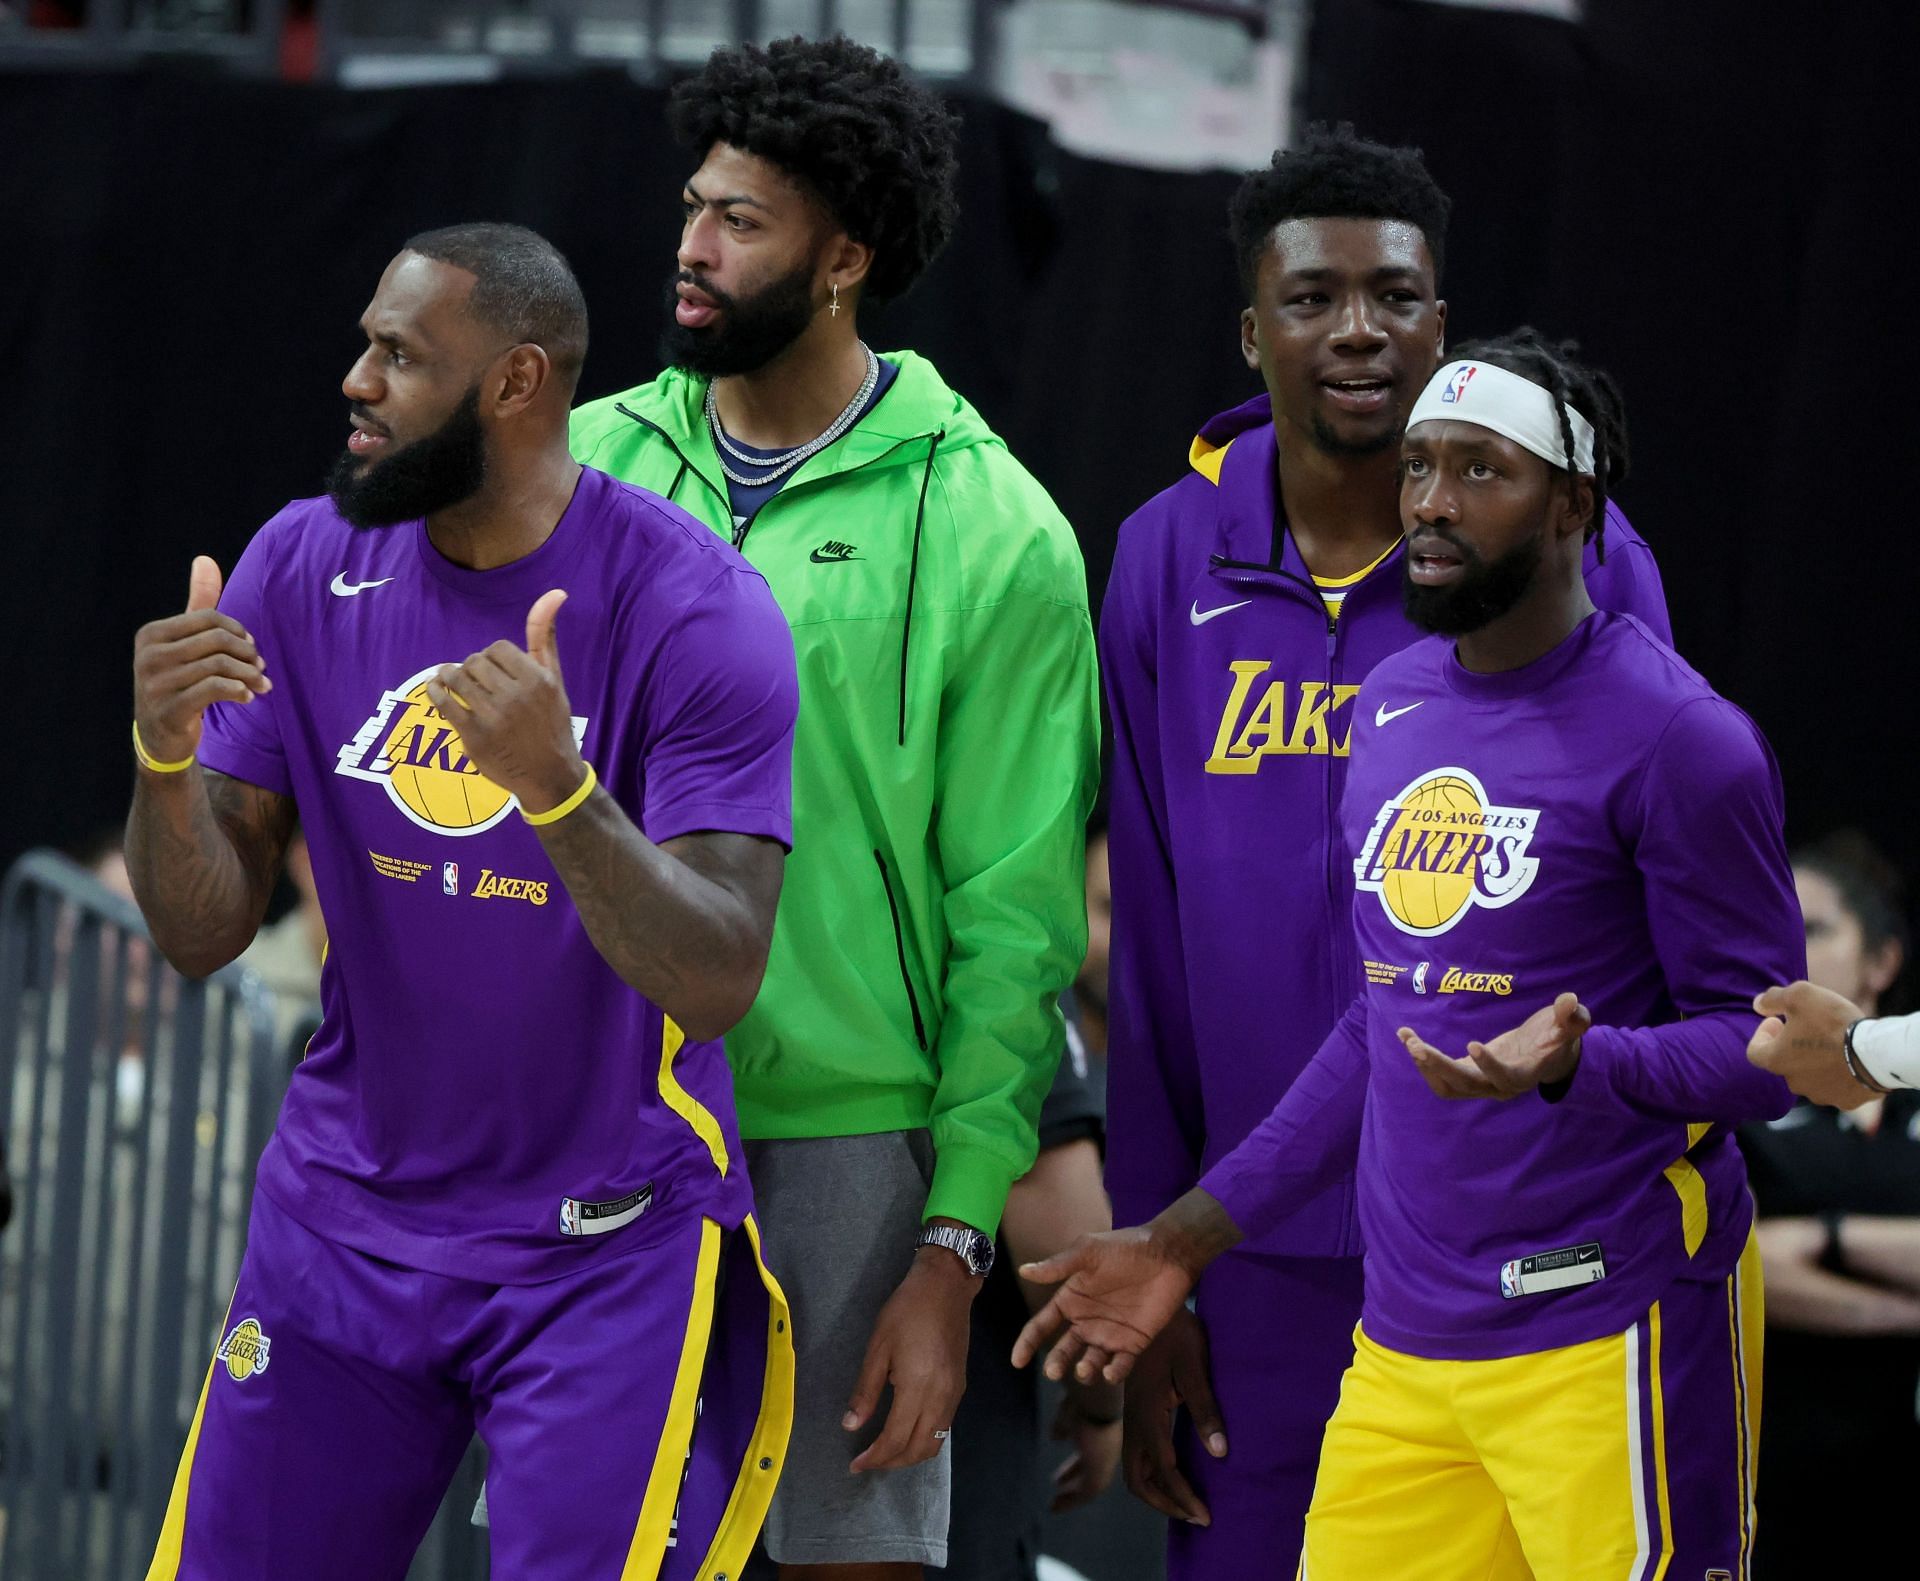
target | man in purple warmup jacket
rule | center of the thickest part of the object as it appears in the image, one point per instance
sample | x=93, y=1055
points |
x=1247, y=604
x=1564, y=837
x=505, y=1193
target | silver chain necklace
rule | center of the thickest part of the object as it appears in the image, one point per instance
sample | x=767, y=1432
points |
x=777, y=467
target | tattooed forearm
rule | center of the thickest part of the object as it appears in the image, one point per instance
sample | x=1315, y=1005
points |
x=203, y=851
x=687, y=924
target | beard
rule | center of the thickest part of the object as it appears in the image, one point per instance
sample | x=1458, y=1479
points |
x=445, y=468
x=752, y=330
x=1487, y=589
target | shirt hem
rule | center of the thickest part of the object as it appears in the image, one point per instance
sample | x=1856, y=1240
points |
x=331, y=1219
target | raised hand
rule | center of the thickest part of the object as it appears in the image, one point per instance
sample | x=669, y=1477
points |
x=1120, y=1290
x=510, y=706
x=187, y=661
x=1802, y=1041
x=1544, y=1048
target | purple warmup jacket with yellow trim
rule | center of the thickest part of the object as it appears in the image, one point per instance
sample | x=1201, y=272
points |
x=1232, y=695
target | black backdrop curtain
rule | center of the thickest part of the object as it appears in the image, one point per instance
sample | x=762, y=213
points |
x=1698, y=193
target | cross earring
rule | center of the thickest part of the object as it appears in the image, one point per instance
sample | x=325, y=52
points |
x=833, y=307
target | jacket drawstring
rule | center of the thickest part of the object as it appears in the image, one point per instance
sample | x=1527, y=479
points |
x=678, y=478
x=913, y=576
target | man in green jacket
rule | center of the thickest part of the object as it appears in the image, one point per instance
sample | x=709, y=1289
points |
x=890, y=1075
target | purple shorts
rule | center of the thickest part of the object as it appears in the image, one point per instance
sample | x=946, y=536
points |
x=636, y=1413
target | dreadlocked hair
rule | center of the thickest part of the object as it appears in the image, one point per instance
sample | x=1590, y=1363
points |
x=1555, y=365
x=876, y=147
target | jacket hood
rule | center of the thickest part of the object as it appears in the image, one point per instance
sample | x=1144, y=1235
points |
x=1220, y=430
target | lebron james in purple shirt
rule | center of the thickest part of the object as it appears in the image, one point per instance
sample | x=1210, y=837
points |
x=505, y=1193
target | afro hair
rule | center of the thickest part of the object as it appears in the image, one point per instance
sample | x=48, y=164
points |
x=846, y=122
x=1335, y=174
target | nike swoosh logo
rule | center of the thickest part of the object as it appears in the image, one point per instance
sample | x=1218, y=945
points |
x=1386, y=716
x=342, y=588
x=1200, y=617
x=829, y=559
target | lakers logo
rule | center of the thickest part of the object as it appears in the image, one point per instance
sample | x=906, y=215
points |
x=1442, y=846
x=406, y=746
x=244, y=1350
x=1280, y=721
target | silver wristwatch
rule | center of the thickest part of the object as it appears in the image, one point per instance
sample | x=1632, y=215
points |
x=972, y=1247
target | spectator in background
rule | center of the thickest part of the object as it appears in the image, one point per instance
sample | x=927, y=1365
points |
x=1839, y=1201
x=1000, y=1487
x=104, y=856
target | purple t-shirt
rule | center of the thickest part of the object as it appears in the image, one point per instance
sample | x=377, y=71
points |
x=1598, y=821
x=485, y=1097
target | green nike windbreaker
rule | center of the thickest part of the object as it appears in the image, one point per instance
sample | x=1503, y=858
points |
x=944, y=763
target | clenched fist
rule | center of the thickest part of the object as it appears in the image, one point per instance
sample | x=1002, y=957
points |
x=183, y=663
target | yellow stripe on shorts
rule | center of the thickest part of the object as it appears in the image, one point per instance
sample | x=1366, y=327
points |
x=173, y=1529
x=746, y=1509
x=649, y=1548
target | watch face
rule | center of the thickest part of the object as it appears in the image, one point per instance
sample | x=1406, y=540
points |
x=980, y=1253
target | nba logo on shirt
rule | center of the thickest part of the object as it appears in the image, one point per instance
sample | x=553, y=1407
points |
x=1420, y=977
x=569, y=1209
x=1457, y=385
x=450, y=878
x=1510, y=1280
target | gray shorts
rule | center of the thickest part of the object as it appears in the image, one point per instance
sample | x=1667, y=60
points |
x=839, y=1216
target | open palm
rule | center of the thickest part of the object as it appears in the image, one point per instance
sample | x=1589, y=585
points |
x=1120, y=1289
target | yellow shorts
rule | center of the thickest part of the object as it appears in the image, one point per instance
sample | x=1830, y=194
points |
x=1629, y=1458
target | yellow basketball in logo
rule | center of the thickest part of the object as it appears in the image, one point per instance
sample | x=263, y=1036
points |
x=245, y=1350
x=430, y=772
x=1429, y=900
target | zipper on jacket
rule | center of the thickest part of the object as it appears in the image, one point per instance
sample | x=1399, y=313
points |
x=900, y=952
x=1327, y=801
x=739, y=539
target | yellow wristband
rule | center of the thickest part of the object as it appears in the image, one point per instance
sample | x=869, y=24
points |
x=555, y=814
x=151, y=763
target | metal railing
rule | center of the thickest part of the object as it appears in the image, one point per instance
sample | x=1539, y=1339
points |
x=134, y=1104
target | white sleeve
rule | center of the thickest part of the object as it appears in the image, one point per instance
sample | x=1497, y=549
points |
x=1889, y=1049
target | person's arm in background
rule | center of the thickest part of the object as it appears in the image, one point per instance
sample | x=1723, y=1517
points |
x=1155, y=1124
x=1805, y=1041
x=1052, y=1205
x=1627, y=582
x=1017, y=754
x=1875, y=1289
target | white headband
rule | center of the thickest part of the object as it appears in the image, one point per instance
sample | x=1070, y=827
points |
x=1516, y=408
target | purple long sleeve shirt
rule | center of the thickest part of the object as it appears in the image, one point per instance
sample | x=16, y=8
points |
x=1598, y=821
x=1231, y=694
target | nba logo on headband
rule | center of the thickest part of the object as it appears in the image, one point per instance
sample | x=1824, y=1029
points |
x=1457, y=385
